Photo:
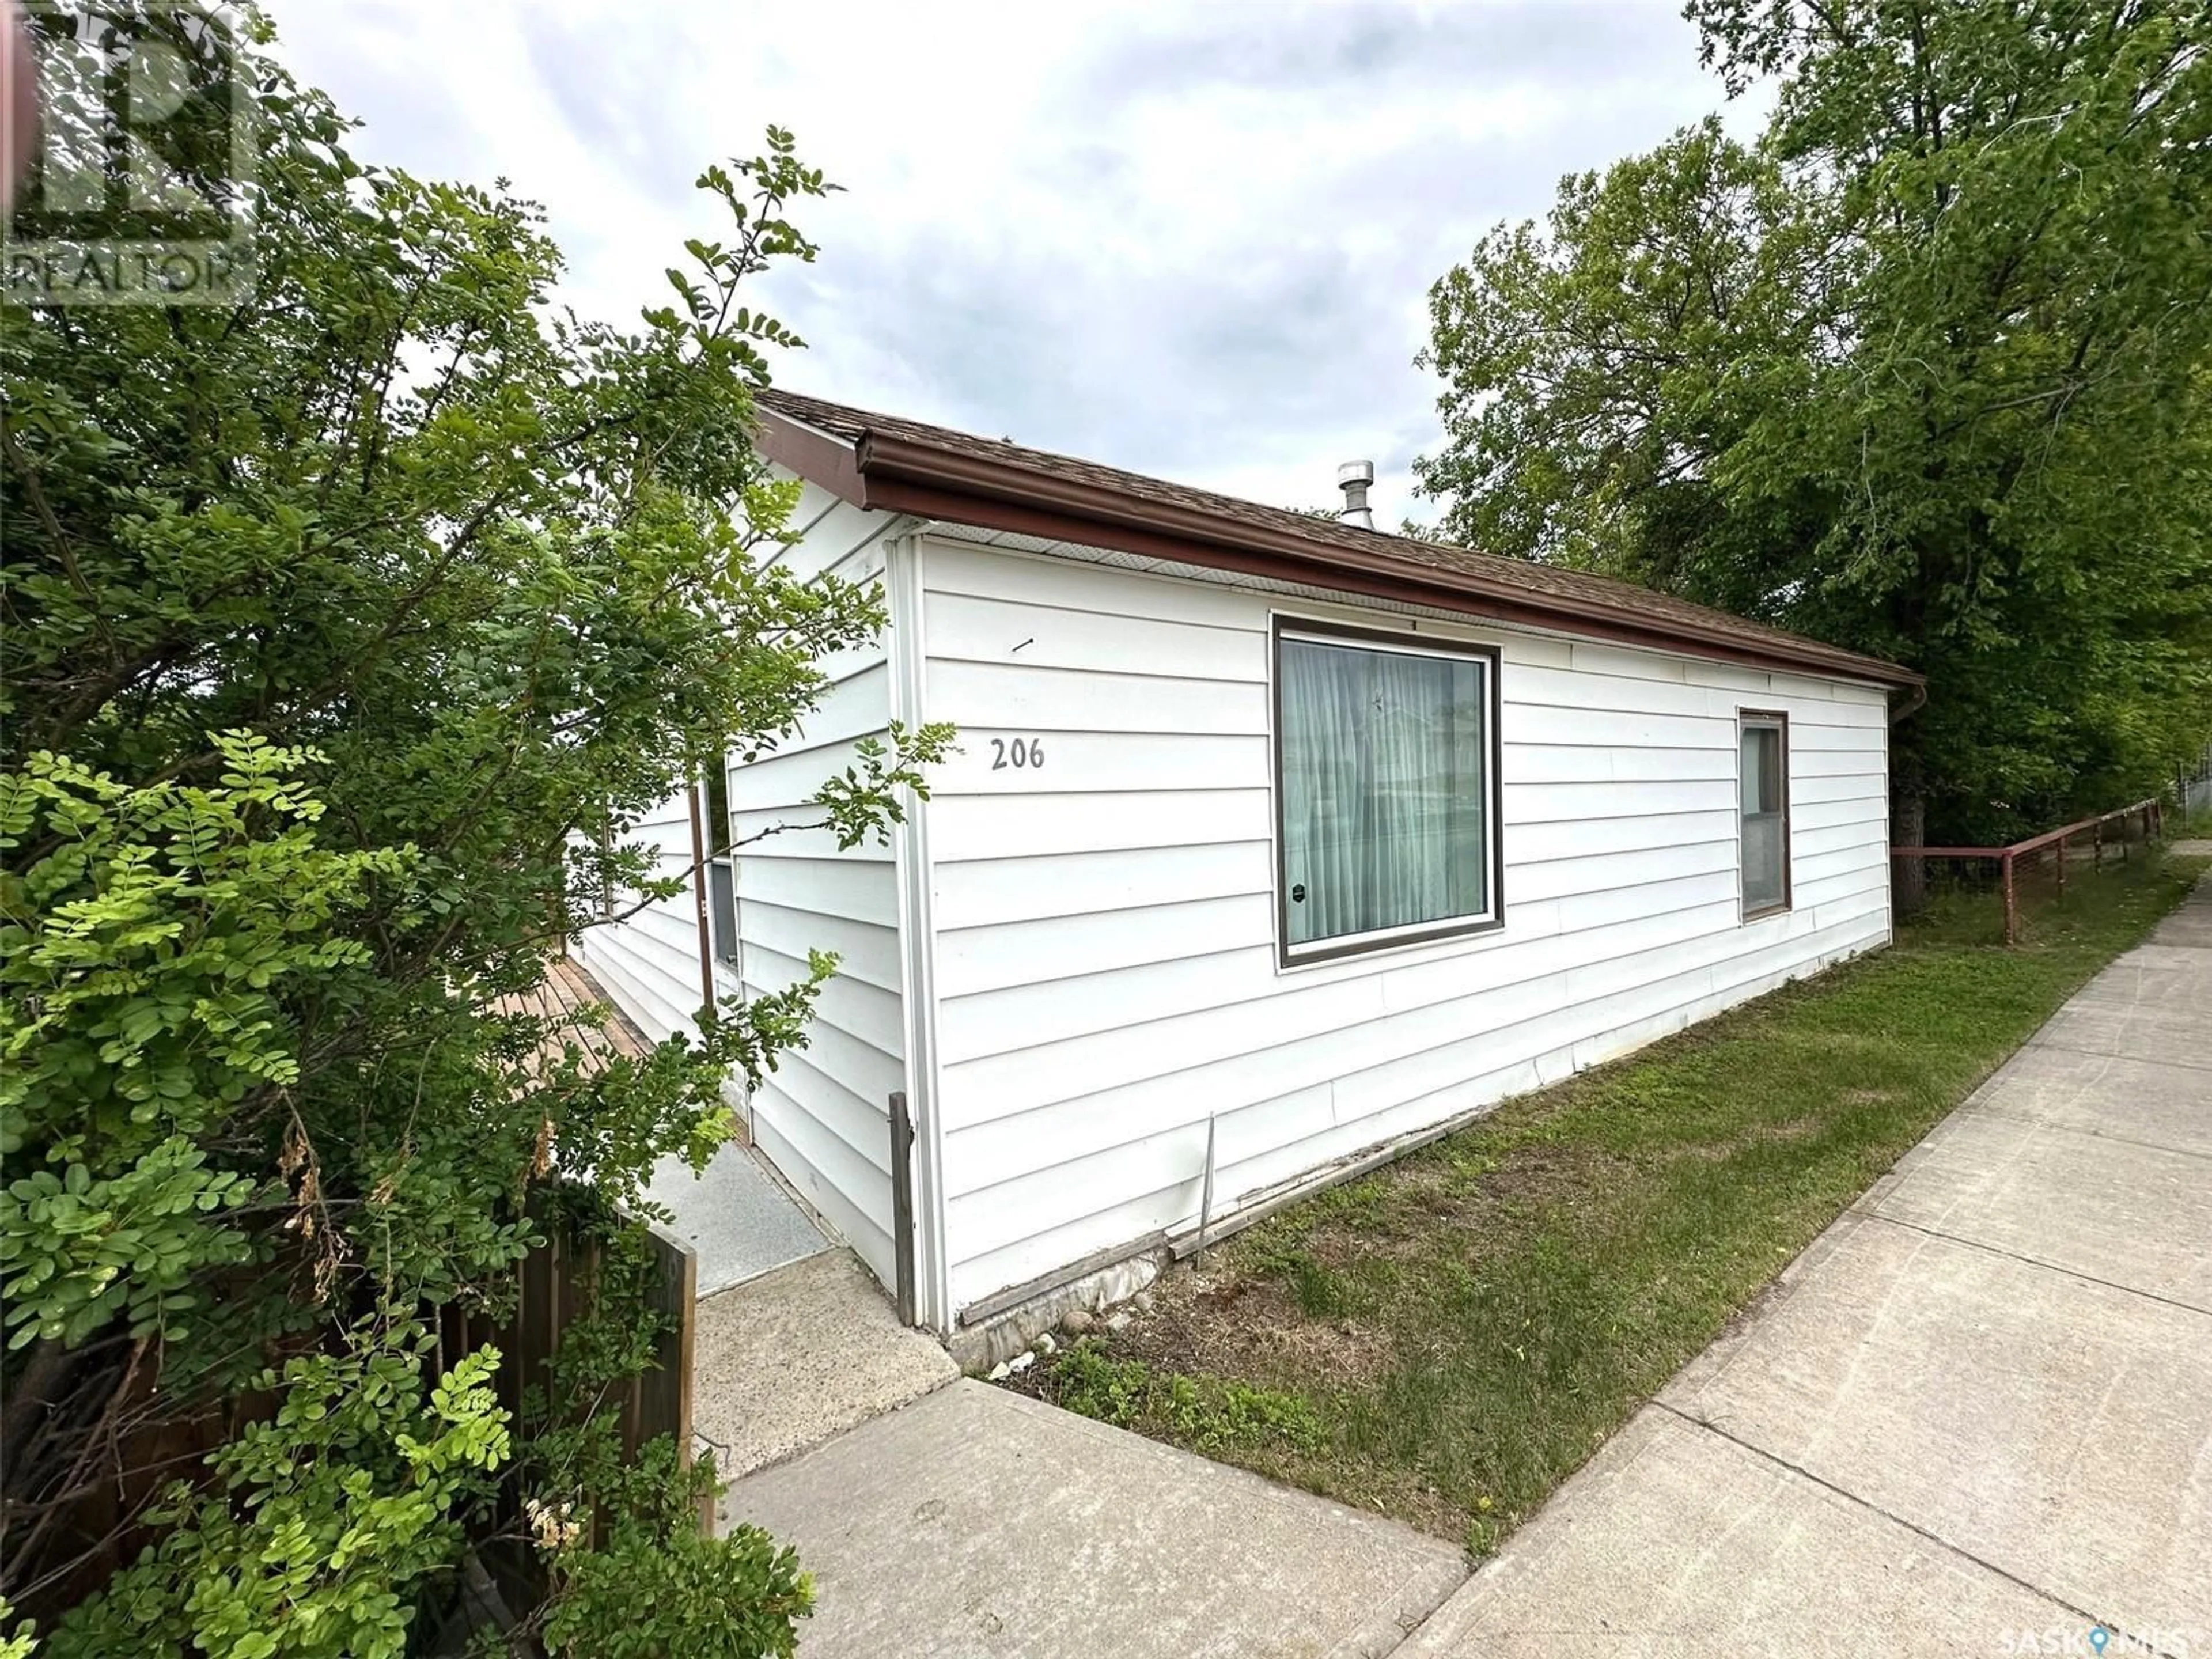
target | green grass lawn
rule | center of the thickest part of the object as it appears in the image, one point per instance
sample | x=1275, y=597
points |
x=1447, y=1339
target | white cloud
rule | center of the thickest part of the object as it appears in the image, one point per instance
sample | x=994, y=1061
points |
x=1191, y=240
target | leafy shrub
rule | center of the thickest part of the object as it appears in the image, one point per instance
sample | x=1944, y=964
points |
x=657, y=1586
x=344, y=639
x=323, y=1518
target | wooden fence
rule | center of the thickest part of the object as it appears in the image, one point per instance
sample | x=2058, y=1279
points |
x=559, y=1285
x=2052, y=846
x=93, y=1533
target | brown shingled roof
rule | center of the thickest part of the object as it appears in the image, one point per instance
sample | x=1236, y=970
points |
x=901, y=466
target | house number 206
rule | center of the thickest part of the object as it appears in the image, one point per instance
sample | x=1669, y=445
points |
x=1016, y=751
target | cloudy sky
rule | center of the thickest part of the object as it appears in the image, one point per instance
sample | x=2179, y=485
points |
x=1191, y=240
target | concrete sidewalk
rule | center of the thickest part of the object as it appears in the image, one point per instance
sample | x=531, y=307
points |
x=1974, y=1417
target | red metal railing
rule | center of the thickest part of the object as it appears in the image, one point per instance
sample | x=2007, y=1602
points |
x=2151, y=812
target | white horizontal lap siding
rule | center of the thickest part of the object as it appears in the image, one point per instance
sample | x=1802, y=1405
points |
x=648, y=963
x=822, y=1115
x=1105, y=952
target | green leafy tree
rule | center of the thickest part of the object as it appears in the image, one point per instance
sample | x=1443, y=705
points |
x=1923, y=372
x=344, y=636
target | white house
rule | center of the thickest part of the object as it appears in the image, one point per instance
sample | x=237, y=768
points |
x=1270, y=836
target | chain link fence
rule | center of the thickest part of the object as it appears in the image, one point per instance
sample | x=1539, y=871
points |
x=2194, y=791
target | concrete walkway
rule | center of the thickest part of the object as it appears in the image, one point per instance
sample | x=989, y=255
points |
x=736, y=1216
x=795, y=1357
x=1974, y=1417
x=980, y=1523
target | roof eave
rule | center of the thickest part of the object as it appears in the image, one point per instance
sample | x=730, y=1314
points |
x=894, y=474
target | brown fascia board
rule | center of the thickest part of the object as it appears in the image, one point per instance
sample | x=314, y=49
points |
x=890, y=475
x=818, y=457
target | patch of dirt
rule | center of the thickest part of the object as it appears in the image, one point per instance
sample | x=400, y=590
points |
x=1772, y=1294
x=1232, y=1319
x=1436, y=1203
x=1801, y=1128
x=1872, y=1096
x=1236, y=1324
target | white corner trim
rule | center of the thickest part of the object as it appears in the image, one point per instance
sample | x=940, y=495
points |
x=903, y=592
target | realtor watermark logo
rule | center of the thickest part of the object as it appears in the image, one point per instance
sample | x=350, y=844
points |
x=142, y=190
x=2102, y=1642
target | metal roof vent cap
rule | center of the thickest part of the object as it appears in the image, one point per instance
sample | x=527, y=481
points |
x=1354, y=478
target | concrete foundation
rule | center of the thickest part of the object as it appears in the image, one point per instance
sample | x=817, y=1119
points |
x=976, y=1348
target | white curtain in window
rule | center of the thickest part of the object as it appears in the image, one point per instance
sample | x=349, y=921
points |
x=1383, y=788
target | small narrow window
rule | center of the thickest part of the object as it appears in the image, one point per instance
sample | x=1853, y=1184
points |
x=1386, y=788
x=721, y=867
x=1764, y=798
x=610, y=900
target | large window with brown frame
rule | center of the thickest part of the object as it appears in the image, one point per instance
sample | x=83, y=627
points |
x=1386, y=789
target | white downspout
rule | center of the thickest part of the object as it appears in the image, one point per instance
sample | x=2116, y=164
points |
x=902, y=591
